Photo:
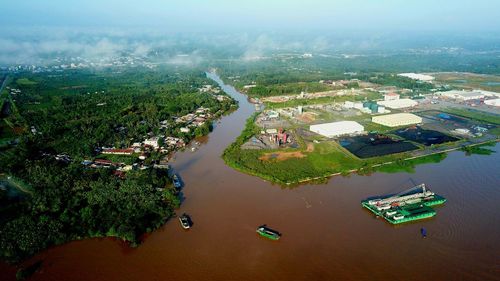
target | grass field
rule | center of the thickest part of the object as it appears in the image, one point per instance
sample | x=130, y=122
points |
x=128, y=160
x=475, y=114
x=464, y=80
x=323, y=100
x=25, y=82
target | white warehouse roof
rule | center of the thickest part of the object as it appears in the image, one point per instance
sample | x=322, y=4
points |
x=398, y=119
x=417, y=76
x=336, y=129
x=468, y=95
x=495, y=102
x=397, y=104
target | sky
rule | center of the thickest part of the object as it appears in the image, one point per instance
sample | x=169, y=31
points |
x=31, y=30
x=257, y=15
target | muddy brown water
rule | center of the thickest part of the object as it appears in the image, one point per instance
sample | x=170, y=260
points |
x=326, y=233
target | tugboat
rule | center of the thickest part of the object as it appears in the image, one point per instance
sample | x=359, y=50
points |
x=269, y=233
x=185, y=221
x=176, y=181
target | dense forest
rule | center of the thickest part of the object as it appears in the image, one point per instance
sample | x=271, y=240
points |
x=74, y=113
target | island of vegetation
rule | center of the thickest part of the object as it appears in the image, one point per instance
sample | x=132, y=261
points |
x=280, y=142
x=84, y=153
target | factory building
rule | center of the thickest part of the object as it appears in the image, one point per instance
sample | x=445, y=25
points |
x=398, y=104
x=391, y=96
x=336, y=129
x=417, y=76
x=398, y=119
x=469, y=95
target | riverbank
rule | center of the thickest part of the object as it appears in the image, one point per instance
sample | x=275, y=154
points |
x=317, y=159
x=325, y=231
x=73, y=192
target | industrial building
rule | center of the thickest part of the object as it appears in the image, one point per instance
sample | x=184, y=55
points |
x=391, y=96
x=398, y=119
x=336, y=129
x=417, y=76
x=469, y=95
x=398, y=103
x=494, y=102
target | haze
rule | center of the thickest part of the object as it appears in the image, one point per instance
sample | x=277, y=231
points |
x=196, y=15
x=32, y=30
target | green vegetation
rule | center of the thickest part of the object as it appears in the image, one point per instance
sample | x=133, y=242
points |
x=27, y=272
x=73, y=113
x=287, y=89
x=398, y=81
x=111, y=110
x=408, y=166
x=479, y=149
x=476, y=115
x=323, y=100
x=461, y=80
x=25, y=82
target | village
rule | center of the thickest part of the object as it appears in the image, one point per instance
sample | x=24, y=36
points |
x=153, y=150
x=164, y=145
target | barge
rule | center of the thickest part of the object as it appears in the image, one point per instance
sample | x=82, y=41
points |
x=409, y=205
x=269, y=233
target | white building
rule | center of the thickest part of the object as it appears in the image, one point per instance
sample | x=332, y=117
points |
x=416, y=76
x=358, y=105
x=152, y=142
x=494, y=102
x=336, y=129
x=272, y=114
x=469, y=95
x=391, y=96
x=348, y=104
x=398, y=119
x=397, y=104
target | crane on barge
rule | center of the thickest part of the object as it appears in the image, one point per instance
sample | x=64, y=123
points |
x=408, y=205
x=412, y=195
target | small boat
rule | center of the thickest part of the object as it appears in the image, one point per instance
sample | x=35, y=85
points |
x=176, y=181
x=269, y=233
x=423, y=231
x=185, y=221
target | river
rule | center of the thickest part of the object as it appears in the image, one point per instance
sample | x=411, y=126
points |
x=326, y=233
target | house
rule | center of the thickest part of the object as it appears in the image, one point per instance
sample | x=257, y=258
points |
x=119, y=174
x=127, y=151
x=391, y=96
x=185, y=130
x=103, y=163
x=153, y=142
